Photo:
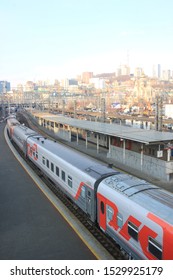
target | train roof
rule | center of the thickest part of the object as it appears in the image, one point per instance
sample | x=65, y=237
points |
x=83, y=162
x=24, y=131
x=12, y=116
x=147, y=195
x=12, y=121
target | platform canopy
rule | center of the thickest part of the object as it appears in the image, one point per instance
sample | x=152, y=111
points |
x=116, y=130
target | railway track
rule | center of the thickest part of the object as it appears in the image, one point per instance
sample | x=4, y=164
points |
x=105, y=241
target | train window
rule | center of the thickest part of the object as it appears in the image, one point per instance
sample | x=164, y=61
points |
x=120, y=220
x=43, y=160
x=57, y=170
x=102, y=207
x=70, y=182
x=52, y=167
x=47, y=163
x=133, y=230
x=63, y=175
x=155, y=248
x=109, y=214
x=83, y=192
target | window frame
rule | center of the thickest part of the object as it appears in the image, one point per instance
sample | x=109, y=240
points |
x=70, y=181
x=120, y=220
x=155, y=248
x=133, y=230
x=109, y=213
x=63, y=175
x=52, y=166
x=83, y=192
x=43, y=160
x=36, y=154
x=57, y=171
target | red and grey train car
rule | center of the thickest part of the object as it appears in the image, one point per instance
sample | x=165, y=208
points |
x=135, y=213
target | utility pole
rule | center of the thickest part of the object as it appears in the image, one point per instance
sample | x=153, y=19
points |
x=63, y=107
x=3, y=106
x=159, y=113
x=75, y=103
x=103, y=110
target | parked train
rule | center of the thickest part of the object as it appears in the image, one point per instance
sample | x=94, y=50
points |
x=135, y=213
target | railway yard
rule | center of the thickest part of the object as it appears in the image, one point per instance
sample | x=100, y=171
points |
x=94, y=243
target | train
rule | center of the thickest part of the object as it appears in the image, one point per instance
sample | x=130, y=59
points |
x=136, y=214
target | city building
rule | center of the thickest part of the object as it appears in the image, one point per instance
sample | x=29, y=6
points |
x=97, y=83
x=166, y=75
x=123, y=70
x=138, y=72
x=73, y=82
x=143, y=90
x=86, y=76
x=4, y=87
x=29, y=86
x=169, y=110
x=159, y=71
x=64, y=83
x=68, y=84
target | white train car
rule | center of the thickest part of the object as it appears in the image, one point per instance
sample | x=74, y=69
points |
x=75, y=174
x=137, y=215
x=11, y=122
x=78, y=176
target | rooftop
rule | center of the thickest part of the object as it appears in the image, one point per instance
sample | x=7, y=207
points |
x=124, y=132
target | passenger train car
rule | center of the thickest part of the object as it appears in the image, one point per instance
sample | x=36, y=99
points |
x=133, y=212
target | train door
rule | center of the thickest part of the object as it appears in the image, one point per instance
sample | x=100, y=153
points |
x=25, y=148
x=109, y=214
x=101, y=211
x=89, y=202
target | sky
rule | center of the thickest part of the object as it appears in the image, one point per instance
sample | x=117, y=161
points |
x=53, y=39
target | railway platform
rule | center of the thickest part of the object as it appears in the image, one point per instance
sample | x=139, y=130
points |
x=33, y=223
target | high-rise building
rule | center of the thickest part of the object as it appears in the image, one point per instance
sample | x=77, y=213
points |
x=159, y=71
x=166, y=75
x=29, y=86
x=97, y=82
x=73, y=82
x=65, y=83
x=86, y=76
x=138, y=72
x=4, y=87
x=123, y=70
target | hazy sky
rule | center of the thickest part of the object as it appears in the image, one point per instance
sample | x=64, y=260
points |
x=42, y=39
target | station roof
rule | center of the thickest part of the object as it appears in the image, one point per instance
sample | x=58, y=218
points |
x=124, y=132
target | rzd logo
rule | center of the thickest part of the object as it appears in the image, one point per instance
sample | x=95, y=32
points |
x=32, y=151
x=144, y=233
